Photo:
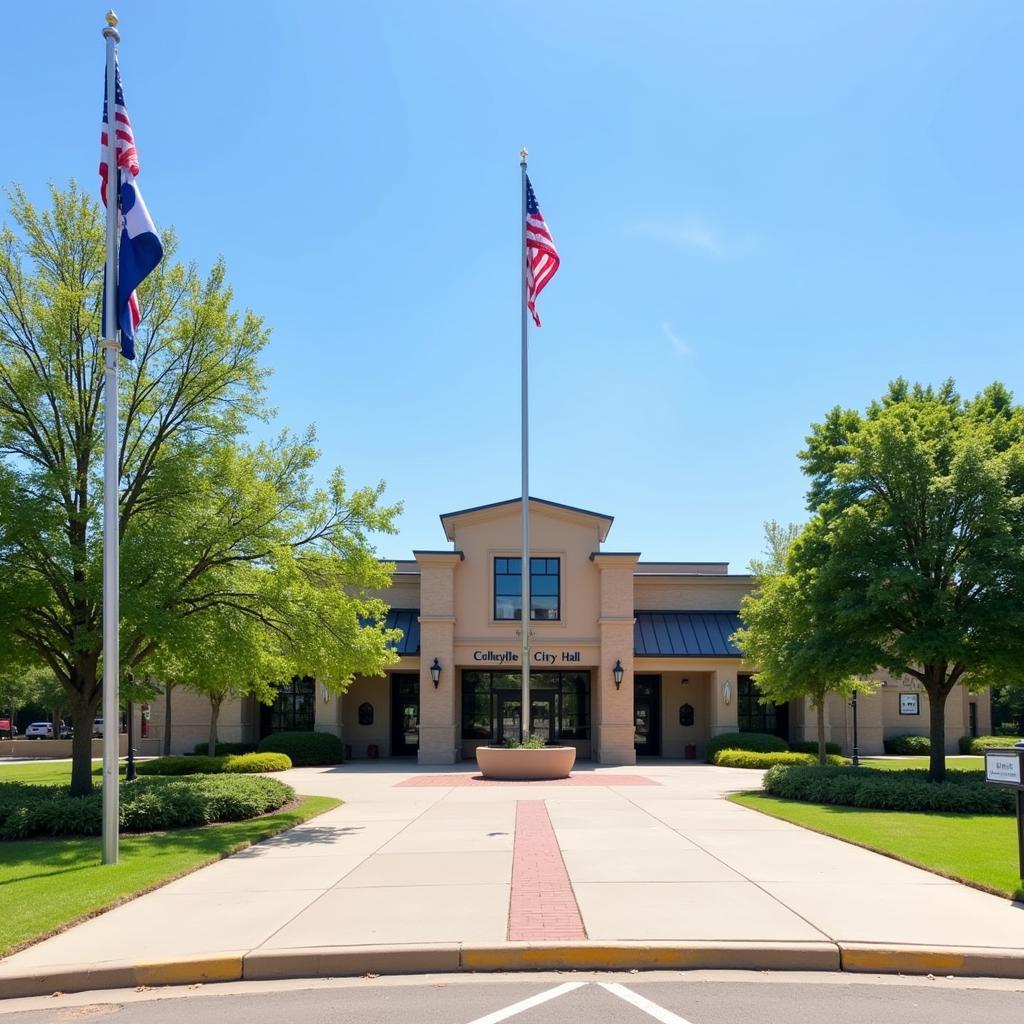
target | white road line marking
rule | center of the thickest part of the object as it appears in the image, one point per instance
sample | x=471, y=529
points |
x=651, y=1009
x=528, y=1004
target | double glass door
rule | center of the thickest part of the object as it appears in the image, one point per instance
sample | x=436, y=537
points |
x=542, y=715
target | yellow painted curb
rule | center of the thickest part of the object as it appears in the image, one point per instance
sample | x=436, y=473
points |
x=980, y=962
x=795, y=956
x=189, y=972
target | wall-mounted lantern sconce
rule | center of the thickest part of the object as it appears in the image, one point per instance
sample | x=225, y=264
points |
x=325, y=694
x=435, y=673
x=617, y=673
x=727, y=692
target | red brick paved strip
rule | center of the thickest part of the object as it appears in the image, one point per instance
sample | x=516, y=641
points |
x=543, y=906
x=431, y=781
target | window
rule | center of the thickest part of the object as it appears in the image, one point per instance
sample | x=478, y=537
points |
x=753, y=716
x=292, y=710
x=486, y=695
x=545, y=589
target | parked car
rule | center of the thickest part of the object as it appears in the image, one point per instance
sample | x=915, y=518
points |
x=97, y=728
x=39, y=731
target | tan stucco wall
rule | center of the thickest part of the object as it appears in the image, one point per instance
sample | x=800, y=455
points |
x=375, y=691
x=674, y=692
x=190, y=722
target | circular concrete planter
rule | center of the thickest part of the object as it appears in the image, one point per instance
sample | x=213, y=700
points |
x=525, y=763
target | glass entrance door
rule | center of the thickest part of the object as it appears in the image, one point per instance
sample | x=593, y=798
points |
x=647, y=714
x=542, y=715
x=405, y=713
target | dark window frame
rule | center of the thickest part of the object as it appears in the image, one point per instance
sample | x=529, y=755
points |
x=482, y=689
x=294, y=707
x=540, y=570
x=753, y=716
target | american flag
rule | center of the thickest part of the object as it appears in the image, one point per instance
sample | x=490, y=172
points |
x=127, y=154
x=541, y=255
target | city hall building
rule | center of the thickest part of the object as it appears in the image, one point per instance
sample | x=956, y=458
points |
x=628, y=658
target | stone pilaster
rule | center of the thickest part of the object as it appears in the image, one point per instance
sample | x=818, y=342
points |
x=439, y=721
x=723, y=702
x=614, y=727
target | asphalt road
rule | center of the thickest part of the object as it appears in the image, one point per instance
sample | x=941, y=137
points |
x=695, y=998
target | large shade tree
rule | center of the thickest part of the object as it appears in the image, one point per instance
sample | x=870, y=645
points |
x=913, y=558
x=210, y=526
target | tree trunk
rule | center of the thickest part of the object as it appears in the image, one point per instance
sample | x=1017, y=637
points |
x=167, y=718
x=938, y=690
x=211, y=746
x=82, y=714
x=822, y=749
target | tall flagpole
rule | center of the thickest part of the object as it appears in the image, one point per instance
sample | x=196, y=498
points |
x=111, y=574
x=524, y=718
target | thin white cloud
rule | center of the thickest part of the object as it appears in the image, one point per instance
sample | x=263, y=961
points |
x=690, y=234
x=681, y=346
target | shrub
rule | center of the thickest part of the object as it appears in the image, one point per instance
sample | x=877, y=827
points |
x=532, y=742
x=961, y=793
x=225, y=748
x=907, y=745
x=753, y=759
x=762, y=742
x=811, y=747
x=181, y=764
x=304, y=748
x=978, y=744
x=268, y=762
x=147, y=805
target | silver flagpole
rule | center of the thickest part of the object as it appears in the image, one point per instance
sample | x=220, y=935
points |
x=111, y=601
x=524, y=718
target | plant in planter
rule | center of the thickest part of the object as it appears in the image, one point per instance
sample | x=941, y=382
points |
x=529, y=759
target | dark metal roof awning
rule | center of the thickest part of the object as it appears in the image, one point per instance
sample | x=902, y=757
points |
x=686, y=634
x=408, y=621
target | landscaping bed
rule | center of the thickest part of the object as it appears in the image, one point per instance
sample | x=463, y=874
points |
x=909, y=790
x=146, y=805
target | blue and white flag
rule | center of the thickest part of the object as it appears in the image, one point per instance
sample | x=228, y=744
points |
x=140, y=248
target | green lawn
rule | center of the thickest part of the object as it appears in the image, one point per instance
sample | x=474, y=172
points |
x=49, y=884
x=978, y=849
x=968, y=762
x=47, y=773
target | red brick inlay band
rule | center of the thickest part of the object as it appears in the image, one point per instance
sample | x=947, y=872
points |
x=542, y=906
x=588, y=779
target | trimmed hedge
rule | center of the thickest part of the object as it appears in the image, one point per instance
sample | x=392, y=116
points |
x=907, y=744
x=961, y=793
x=811, y=747
x=247, y=763
x=181, y=764
x=304, y=748
x=978, y=744
x=762, y=742
x=146, y=805
x=754, y=759
x=234, y=764
x=225, y=748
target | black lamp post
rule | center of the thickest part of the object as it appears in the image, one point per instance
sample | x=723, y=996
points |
x=129, y=772
x=617, y=673
x=856, y=750
x=435, y=673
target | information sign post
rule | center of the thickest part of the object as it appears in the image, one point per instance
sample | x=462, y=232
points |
x=1006, y=768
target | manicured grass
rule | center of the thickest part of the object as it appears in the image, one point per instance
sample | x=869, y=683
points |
x=47, y=773
x=49, y=884
x=895, y=764
x=978, y=849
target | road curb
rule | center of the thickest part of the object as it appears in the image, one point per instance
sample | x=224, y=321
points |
x=86, y=977
x=452, y=958
x=978, y=962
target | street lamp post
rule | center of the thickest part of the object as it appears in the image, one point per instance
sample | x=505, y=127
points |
x=856, y=750
x=129, y=772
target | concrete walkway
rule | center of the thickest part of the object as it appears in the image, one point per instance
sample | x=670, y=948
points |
x=648, y=854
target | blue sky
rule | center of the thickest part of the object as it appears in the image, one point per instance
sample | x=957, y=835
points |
x=763, y=209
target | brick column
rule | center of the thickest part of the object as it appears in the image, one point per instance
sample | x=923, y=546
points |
x=440, y=741
x=614, y=727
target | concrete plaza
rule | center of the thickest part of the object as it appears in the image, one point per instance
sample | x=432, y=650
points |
x=646, y=854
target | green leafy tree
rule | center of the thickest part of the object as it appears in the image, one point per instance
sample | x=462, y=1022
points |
x=914, y=554
x=209, y=525
x=795, y=656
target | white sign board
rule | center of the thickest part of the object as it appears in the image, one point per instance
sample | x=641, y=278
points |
x=1002, y=767
x=910, y=704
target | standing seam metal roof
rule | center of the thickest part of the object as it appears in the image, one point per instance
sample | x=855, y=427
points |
x=691, y=634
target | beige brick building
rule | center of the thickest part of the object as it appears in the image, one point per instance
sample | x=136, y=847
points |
x=667, y=624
